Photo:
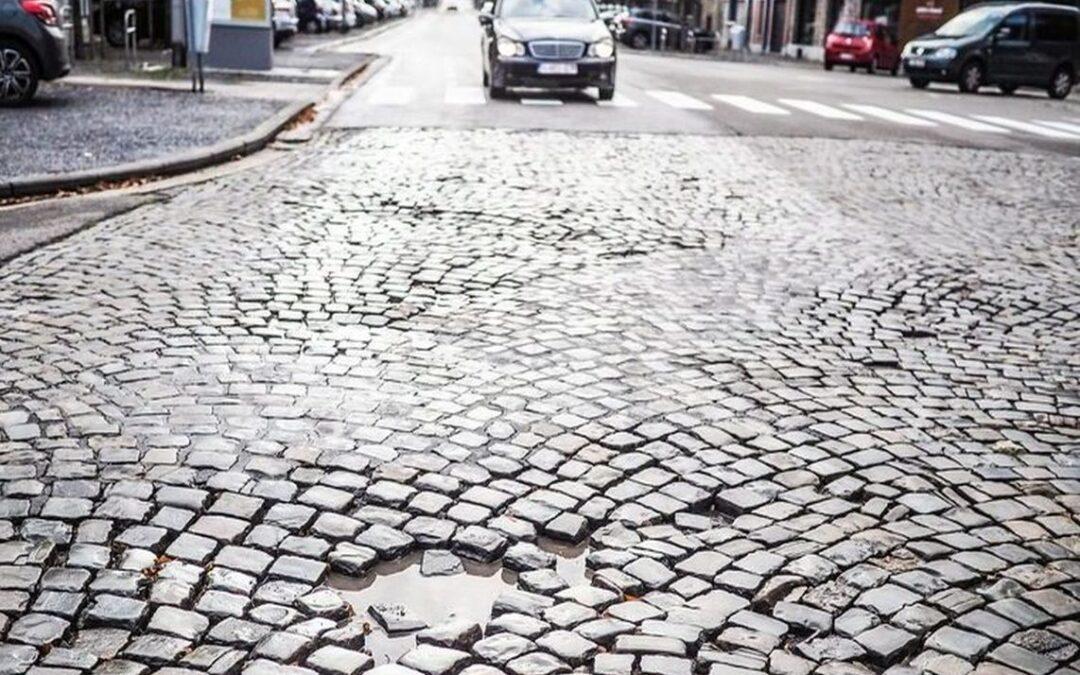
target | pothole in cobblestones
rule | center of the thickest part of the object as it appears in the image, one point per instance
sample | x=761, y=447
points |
x=400, y=598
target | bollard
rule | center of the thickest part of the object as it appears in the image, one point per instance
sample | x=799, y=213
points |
x=130, y=37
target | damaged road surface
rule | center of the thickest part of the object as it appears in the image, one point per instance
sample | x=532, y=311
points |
x=482, y=402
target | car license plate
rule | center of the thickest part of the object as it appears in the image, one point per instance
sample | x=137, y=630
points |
x=916, y=63
x=557, y=69
x=846, y=57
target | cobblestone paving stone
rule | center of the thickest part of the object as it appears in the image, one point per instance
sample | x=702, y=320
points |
x=808, y=420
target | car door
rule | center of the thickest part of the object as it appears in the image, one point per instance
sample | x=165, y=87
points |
x=1010, y=44
x=1054, y=37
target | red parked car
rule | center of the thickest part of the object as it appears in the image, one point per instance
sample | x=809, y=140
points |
x=859, y=43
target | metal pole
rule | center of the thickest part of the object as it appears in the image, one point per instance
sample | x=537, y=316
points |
x=655, y=10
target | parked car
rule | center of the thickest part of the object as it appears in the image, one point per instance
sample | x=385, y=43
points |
x=32, y=49
x=284, y=19
x=703, y=40
x=638, y=28
x=310, y=16
x=857, y=43
x=384, y=10
x=365, y=14
x=1009, y=45
x=546, y=44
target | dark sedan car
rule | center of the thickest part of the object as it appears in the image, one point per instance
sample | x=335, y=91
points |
x=547, y=44
x=32, y=48
x=1010, y=45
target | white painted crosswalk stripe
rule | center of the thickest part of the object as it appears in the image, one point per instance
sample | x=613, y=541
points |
x=751, y=105
x=889, y=115
x=1030, y=128
x=677, y=99
x=541, y=101
x=958, y=121
x=1064, y=126
x=820, y=109
x=618, y=101
x=391, y=95
x=465, y=96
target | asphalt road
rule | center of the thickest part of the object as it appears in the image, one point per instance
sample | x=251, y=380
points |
x=431, y=77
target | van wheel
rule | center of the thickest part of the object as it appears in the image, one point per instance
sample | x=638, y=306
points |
x=971, y=77
x=919, y=83
x=1007, y=89
x=18, y=74
x=1061, y=83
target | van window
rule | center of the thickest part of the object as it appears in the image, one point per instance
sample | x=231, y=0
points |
x=1014, y=27
x=1055, y=27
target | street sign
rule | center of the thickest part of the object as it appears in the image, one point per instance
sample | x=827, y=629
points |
x=198, y=13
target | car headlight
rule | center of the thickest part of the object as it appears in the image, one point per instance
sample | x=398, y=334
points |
x=945, y=54
x=909, y=49
x=603, y=48
x=507, y=47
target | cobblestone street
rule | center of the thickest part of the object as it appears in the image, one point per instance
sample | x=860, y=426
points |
x=798, y=415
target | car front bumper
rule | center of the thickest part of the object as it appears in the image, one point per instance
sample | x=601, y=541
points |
x=937, y=70
x=524, y=71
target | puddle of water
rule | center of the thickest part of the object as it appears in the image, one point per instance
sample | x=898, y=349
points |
x=468, y=595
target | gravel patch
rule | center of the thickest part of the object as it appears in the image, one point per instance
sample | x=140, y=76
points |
x=80, y=127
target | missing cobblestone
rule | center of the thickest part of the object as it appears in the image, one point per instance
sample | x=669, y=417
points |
x=403, y=598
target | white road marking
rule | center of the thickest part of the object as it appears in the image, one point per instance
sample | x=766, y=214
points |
x=751, y=105
x=677, y=99
x=1045, y=132
x=465, y=96
x=889, y=115
x=1064, y=126
x=619, y=101
x=391, y=95
x=541, y=101
x=958, y=121
x=820, y=109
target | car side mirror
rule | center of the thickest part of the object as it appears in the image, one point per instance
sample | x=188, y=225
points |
x=486, y=19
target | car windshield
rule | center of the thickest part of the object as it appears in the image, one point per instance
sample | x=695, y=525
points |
x=851, y=29
x=548, y=9
x=973, y=22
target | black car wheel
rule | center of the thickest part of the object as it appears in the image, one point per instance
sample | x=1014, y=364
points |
x=639, y=41
x=828, y=66
x=971, y=77
x=919, y=83
x=1061, y=83
x=18, y=74
x=496, y=93
x=607, y=93
x=1007, y=89
x=871, y=67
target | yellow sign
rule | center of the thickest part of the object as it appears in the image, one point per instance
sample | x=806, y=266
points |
x=248, y=10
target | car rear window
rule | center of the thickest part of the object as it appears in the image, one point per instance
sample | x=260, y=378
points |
x=852, y=29
x=1055, y=27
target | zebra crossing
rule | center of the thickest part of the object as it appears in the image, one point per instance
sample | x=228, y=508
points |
x=1064, y=129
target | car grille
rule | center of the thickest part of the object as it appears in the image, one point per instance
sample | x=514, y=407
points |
x=557, y=49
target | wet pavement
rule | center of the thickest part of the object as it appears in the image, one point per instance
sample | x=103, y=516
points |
x=795, y=426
